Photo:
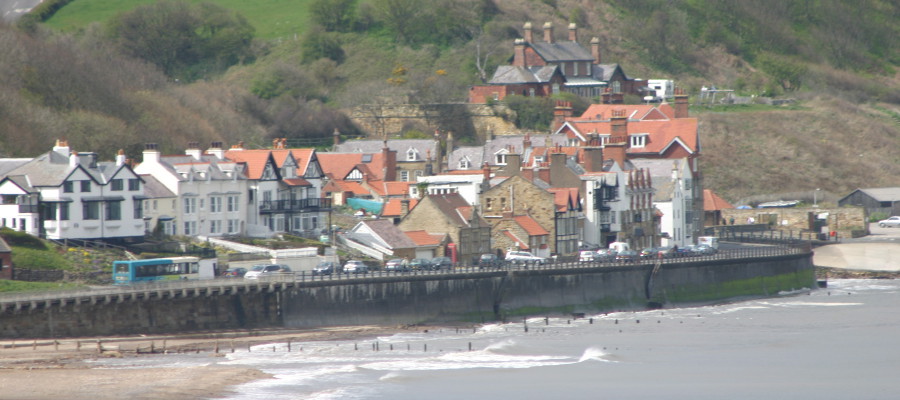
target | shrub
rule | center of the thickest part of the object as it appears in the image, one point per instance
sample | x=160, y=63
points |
x=21, y=239
x=23, y=257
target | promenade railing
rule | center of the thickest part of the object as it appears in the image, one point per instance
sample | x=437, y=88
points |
x=472, y=271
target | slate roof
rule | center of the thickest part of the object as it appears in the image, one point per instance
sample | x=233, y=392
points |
x=511, y=74
x=390, y=233
x=9, y=164
x=424, y=147
x=154, y=189
x=882, y=194
x=561, y=51
x=450, y=205
x=478, y=155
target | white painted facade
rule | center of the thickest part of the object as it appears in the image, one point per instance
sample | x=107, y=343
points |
x=211, y=194
x=468, y=186
x=67, y=195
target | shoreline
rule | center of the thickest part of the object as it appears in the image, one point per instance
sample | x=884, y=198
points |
x=63, y=368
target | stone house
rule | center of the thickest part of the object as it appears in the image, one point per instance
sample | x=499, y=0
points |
x=521, y=233
x=537, y=64
x=468, y=234
x=517, y=196
x=412, y=157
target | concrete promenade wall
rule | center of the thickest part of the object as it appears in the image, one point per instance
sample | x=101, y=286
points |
x=500, y=295
x=470, y=297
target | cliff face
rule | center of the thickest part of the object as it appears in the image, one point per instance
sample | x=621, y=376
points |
x=466, y=121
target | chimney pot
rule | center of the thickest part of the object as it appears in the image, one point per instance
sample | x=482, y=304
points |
x=548, y=32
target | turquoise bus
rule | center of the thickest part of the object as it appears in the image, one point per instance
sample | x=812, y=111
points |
x=158, y=269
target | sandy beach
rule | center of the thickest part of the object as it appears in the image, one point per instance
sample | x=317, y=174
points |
x=61, y=369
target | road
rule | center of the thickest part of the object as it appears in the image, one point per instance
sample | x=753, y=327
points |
x=12, y=9
x=879, y=251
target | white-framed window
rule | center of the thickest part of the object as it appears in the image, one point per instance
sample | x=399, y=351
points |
x=215, y=226
x=190, y=228
x=287, y=172
x=404, y=176
x=215, y=204
x=411, y=154
x=464, y=163
x=639, y=140
x=576, y=69
x=232, y=204
x=539, y=159
x=419, y=173
x=190, y=205
x=414, y=191
x=500, y=158
x=233, y=225
x=616, y=87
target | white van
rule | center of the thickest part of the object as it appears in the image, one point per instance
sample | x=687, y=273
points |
x=710, y=241
x=619, y=246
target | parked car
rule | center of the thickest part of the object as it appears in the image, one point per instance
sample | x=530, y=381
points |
x=705, y=250
x=438, y=263
x=420, y=264
x=524, y=258
x=489, y=260
x=397, y=265
x=237, y=272
x=324, y=268
x=607, y=254
x=588, y=256
x=627, y=255
x=892, y=222
x=264, y=270
x=355, y=267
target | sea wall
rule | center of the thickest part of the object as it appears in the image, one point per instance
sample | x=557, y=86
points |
x=499, y=295
x=432, y=298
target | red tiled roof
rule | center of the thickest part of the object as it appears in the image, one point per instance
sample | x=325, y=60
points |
x=254, y=159
x=393, y=206
x=564, y=198
x=383, y=188
x=712, y=201
x=338, y=185
x=338, y=165
x=422, y=238
x=303, y=157
x=530, y=225
x=522, y=245
x=633, y=111
x=297, y=182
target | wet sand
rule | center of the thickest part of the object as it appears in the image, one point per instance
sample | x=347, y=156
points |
x=60, y=369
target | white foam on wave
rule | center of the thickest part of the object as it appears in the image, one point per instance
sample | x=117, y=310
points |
x=468, y=360
x=502, y=346
x=595, y=354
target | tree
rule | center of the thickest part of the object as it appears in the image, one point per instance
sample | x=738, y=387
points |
x=402, y=17
x=184, y=41
x=333, y=15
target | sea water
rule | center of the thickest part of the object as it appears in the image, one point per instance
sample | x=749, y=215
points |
x=834, y=343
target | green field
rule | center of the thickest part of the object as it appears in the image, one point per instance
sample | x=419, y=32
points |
x=273, y=19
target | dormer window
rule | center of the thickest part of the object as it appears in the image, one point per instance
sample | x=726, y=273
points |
x=412, y=155
x=500, y=157
x=464, y=163
x=538, y=159
x=639, y=140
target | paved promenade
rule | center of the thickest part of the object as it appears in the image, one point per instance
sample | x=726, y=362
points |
x=879, y=251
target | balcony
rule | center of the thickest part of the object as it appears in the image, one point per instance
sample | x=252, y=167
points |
x=294, y=206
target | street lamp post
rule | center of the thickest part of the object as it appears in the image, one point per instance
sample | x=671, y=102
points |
x=816, y=198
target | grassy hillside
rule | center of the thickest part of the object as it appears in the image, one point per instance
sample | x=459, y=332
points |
x=272, y=19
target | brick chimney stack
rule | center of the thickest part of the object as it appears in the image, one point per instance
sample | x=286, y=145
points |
x=557, y=168
x=404, y=207
x=561, y=111
x=592, y=158
x=336, y=137
x=595, y=49
x=519, y=53
x=681, y=103
x=529, y=33
x=389, y=159
x=573, y=32
x=486, y=177
x=548, y=32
